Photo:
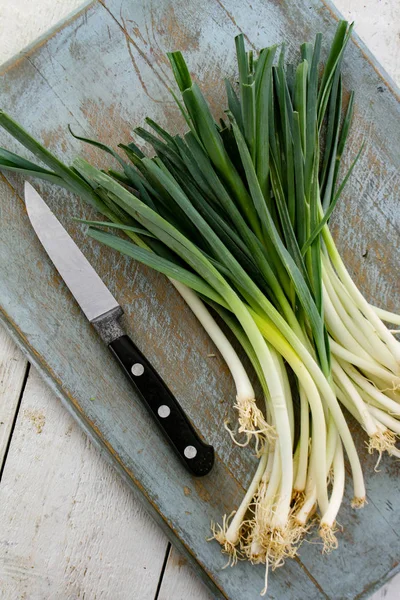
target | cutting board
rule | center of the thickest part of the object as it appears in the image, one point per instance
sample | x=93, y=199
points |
x=102, y=72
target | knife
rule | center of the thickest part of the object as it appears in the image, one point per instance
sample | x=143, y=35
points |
x=103, y=312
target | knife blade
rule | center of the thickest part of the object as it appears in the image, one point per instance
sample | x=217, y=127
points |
x=103, y=312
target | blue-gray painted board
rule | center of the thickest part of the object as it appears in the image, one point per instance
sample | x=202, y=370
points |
x=103, y=72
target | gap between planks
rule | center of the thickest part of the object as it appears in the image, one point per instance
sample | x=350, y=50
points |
x=14, y=370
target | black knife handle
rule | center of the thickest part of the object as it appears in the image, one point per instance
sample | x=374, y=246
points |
x=197, y=456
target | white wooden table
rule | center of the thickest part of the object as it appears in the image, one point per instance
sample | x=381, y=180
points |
x=69, y=528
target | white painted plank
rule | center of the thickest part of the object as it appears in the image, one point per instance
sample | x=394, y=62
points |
x=377, y=22
x=69, y=526
x=12, y=372
x=180, y=583
x=22, y=22
x=390, y=591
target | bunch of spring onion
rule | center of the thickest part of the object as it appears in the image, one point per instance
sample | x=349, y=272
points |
x=235, y=213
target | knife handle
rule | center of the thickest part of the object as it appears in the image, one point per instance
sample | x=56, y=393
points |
x=197, y=456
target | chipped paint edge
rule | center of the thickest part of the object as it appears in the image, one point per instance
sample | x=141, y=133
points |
x=46, y=36
x=366, y=52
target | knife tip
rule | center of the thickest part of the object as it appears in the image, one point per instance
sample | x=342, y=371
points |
x=32, y=199
x=28, y=187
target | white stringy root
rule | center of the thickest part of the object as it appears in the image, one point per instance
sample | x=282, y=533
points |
x=252, y=424
x=382, y=441
x=330, y=541
x=229, y=546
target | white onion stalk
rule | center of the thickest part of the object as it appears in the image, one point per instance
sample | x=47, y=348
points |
x=360, y=335
x=367, y=365
x=251, y=420
x=358, y=298
x=310, y=375
x=386, y=315
x=229, y=533
x=366, y=337
x=365, y=361
x=372, y=391
x=244, y=389
x=328, y=521
x=303, y=445
x=378, y=440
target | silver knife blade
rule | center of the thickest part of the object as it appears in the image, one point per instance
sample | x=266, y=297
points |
x=92, y=295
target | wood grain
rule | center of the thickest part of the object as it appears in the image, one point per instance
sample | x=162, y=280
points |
x=103, y=73
x=87, y=537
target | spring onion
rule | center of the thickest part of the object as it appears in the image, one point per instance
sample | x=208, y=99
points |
x=236, y=214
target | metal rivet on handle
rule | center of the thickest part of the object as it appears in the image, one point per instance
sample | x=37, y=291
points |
x=190, y=452
x=137, y=369
x=164, y=411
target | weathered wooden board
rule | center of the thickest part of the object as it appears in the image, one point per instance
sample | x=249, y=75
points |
x=102, y=73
